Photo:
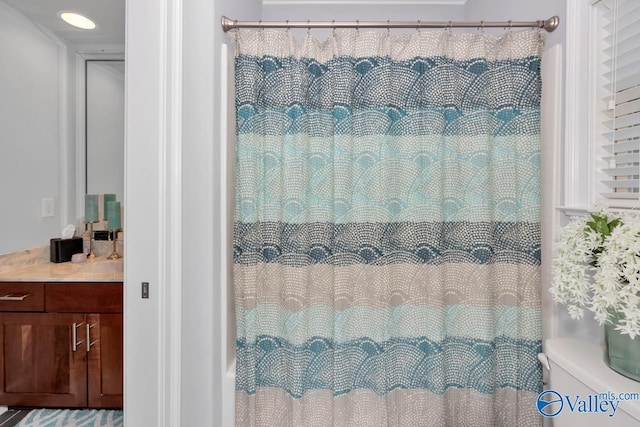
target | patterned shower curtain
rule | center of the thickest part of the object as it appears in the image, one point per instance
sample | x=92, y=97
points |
x=387, y=234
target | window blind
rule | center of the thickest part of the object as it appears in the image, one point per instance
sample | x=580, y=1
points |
x=620, y=105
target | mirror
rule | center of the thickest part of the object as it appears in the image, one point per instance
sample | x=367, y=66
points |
x=105, y=127
x=45, y=168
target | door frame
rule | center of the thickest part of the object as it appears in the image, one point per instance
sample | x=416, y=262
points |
x=153, y=213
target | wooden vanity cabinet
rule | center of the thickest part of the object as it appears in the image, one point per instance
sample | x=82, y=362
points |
x=37, y=365
x=61, y=344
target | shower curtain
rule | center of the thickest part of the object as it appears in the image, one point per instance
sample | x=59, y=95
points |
x=387, y=234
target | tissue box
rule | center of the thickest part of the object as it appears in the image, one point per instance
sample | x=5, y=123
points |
x=63, y=249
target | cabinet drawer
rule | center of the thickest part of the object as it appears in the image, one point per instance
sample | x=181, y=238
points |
x=21, y=296
x=83, y=297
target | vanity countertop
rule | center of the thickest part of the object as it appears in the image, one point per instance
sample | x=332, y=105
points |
x=100, y=269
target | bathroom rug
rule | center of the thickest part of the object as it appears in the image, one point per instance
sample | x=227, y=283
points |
x=72, y=418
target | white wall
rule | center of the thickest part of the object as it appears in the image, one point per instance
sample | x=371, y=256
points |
x=349, y=12
x=35, y=133
x=173, y=373
x=144, y=195
x=202, y=362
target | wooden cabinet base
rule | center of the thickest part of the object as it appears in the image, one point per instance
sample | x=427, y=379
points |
x=37, y=366
x=104, y=366
x=63, y=357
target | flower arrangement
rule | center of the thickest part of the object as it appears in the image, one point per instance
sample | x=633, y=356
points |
x=597, y=266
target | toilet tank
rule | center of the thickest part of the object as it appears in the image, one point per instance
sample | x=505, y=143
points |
x=585, y=391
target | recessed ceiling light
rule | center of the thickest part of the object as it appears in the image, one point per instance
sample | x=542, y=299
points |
x=78, y=20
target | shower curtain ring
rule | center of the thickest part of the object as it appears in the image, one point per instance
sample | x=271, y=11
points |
x=449, y=27
x=388, y=26
x=357, y=26
x=419, y=26
x=481, y=29
x=539, y=30
x=308, y=28
x=333, y=25
x=288, y=27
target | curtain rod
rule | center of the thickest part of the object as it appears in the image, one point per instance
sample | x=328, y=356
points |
x=548, y=24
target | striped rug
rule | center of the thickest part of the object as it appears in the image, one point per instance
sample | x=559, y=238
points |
x=72, y=418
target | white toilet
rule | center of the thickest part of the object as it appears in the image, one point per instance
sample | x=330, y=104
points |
x=577, y=373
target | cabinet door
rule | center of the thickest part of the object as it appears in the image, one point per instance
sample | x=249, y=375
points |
x=38, y=364
x=105, y=361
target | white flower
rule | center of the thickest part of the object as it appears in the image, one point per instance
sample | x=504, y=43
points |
x=614, y=260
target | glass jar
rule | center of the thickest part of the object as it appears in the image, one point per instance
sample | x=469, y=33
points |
x=622, y=353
